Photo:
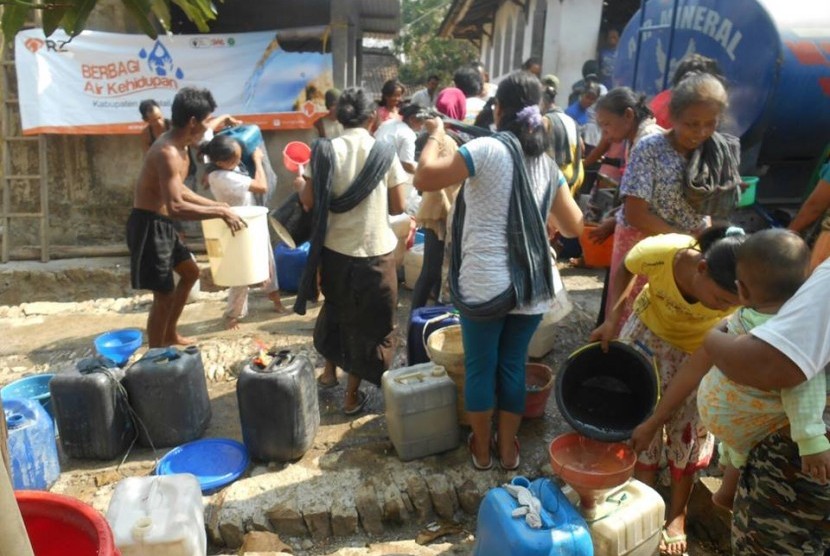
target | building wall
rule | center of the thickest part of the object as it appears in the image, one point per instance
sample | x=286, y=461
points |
x=570, y=38
x=571, y=32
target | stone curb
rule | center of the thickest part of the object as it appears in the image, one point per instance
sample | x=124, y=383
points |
x=320, y=504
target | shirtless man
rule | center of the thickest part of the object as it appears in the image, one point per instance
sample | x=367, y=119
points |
x=160, y=194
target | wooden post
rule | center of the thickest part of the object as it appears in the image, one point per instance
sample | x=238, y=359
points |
x=4, y=442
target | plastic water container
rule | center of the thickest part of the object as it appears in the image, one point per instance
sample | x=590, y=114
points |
x=168, y=392
x=249, y=137
x=596, y=255
x=91, y=410
x=35, y=387
x=604, y=396
x=420, y=410
x=278, y=407
x=239, y=258
x=748, y=195
x=628, y=522
x=290, y=265
x=538, y=386
x=446, y=348
x=32, y=450
x=295, y=156
x=563, y=530
x=158, y=516
x=60, y=526
x=543, y=339
x=413, y=261
x=423, y=322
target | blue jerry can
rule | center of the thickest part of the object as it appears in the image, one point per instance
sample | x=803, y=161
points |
x=563, y=531
x=33, y=452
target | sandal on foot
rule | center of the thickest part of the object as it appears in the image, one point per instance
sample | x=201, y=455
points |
x=501, y=461
x=667, y=541
x=362, y=398
x=476, y=464
x=326, y=385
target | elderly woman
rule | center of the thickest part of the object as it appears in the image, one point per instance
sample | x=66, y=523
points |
x=653, y=184
x=352, y=185
x=501, y=271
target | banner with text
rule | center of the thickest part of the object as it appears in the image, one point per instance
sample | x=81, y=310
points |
x=94, y=83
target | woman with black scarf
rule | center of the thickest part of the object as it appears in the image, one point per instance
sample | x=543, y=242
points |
x=501, y=270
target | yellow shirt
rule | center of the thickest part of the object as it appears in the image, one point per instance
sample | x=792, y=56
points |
x=660, y=305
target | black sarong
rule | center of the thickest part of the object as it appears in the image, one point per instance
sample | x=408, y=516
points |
x=355, y=327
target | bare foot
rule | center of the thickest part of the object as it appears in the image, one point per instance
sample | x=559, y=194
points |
x=275, y=299
x=179, y=340
x=231, y=323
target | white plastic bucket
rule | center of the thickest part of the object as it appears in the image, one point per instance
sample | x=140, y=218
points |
x=239, y=259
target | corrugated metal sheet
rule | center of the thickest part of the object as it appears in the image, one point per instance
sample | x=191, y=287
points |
x=377, y=17
x=466, y=18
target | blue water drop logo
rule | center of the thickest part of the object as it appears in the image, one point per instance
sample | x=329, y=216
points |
x=160, y=61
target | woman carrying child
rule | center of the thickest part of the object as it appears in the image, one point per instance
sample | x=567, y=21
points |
x=690, y=289
x=772, y=266
x=230, y=183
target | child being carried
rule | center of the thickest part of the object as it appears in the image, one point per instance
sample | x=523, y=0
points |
x=771, y=266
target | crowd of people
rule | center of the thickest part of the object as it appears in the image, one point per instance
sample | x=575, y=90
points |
x=490, y=174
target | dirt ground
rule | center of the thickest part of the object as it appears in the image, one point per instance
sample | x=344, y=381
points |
x=48, y=342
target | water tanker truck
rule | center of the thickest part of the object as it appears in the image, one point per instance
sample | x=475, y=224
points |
x=775, y=55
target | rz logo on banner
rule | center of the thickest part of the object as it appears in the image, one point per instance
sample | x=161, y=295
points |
x=33, y=44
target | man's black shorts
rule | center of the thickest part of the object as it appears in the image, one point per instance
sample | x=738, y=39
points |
x=155, y=250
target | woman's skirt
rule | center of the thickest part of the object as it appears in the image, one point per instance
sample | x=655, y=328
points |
x=356, y=324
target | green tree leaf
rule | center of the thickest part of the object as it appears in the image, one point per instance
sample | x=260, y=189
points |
x=52, y=17
x=423, y=52
x=77, y=13
x=142, y=13
x=72, y=15
x=200, y=12
x=14, y=16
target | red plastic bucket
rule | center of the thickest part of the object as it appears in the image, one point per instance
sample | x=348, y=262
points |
x=538, y=386
x=59, y=525
x=296, y=154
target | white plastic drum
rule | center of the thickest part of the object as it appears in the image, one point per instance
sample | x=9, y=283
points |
x=239, y=259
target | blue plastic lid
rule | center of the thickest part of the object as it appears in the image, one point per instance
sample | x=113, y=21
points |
x=215, y=462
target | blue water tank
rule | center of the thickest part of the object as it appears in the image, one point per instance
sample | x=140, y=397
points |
x=32, y=449
x=775, y=56
x=290, y=265
x=563, y=531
